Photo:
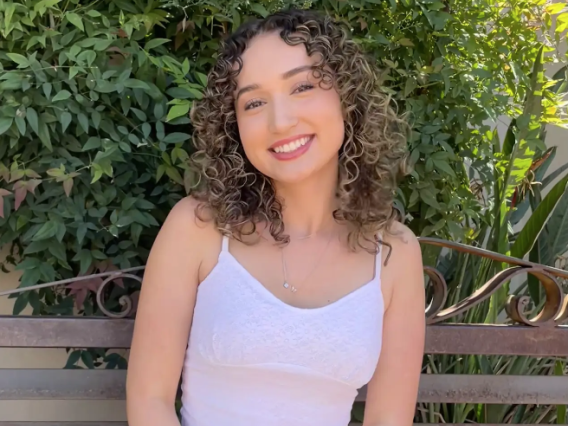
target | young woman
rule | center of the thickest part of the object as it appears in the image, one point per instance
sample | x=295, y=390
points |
x=285, y=283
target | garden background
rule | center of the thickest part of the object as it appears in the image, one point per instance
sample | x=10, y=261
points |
x=94, y=137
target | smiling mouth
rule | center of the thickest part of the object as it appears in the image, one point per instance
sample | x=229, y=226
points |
x=292, y=146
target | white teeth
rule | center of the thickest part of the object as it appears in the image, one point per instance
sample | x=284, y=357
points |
x=292, y=146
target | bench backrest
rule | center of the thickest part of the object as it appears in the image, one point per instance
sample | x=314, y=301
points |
x=544, y=336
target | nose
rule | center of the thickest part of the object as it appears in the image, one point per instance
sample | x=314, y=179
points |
x=282, y=116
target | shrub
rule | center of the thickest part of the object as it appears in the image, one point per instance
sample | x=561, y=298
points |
x=94, y=130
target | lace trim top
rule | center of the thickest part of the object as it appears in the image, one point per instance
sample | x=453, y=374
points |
x=253, y=359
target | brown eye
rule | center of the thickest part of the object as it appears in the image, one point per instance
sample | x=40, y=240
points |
x=303, y=87
x=252, y=104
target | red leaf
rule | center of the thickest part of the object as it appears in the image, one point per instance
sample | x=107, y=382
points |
x=80, y=290
x=107, y=266
x=80, y=296
x=32, y=184
x=20, y=192
x=68, y=186
x=116, y=60
x=135, y=297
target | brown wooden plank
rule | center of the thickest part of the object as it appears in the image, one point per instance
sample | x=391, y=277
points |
x=496, y=340
x=37, y=384
x=41, y=384
x=61, y=332
x=457, y=388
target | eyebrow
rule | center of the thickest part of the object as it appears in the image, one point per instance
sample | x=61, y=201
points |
x=288, y=74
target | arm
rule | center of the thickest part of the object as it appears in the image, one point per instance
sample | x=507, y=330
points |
x=163, y=320
x=393, y=390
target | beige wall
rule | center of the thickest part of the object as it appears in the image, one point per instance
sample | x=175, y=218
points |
x=46, y=358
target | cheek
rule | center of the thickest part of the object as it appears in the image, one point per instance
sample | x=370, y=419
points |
x=326, y=112
x=252, y=134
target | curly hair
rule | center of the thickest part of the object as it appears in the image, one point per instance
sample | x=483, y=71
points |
x=372, y=156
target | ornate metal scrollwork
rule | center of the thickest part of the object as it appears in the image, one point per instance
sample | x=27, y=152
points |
x=553, y=313
x=125, y=300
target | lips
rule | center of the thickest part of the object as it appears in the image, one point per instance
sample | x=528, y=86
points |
x=291, y=148
x=292, y=145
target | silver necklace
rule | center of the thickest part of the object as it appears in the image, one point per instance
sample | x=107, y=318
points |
x=286, y=284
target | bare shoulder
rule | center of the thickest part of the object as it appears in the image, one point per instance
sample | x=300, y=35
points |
x=189, y=216
x=188, y=231
x=402, y=260
x=403, y=243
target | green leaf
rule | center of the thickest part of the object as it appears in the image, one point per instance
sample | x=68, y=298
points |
x=65, y=120
x=96, y=117
x=83, y=122
x=5, y=124
x=532, y=229
x=33, y=119
x=105, y=86
x=20, y=304
x=552, y=176
x=92, y=143
x=136, y=84
x=75, y=20
x=178, y=111
x=556, y=243
x=21, y=124
x=21, y=60
x=61, y=96
x=444, y=167
x=155, y=43
x=259, y=9
x=47, y=230
x=429, y=198
x=522, y=154
x=81, y=232
x=44, y=135
x=176, y=137
x=85, y=260
x=406, y=42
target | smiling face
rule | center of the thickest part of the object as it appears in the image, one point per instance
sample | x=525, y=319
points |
x=290, y=127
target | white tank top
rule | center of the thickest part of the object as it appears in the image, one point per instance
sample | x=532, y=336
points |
x=254, y=360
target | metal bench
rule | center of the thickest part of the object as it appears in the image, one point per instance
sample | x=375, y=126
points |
x=543, y=336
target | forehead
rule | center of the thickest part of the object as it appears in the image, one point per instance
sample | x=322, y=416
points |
x=267, y=55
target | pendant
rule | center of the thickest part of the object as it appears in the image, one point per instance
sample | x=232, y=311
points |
x=292, y=288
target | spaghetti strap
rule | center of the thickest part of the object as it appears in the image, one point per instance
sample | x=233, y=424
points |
x=225, y=244
x=379, y=258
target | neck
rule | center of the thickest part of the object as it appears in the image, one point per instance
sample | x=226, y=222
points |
x=308, y=205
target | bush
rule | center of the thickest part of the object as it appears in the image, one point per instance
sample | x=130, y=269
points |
x=94, y=127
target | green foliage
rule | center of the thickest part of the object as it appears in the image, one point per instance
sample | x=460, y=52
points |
x=95, y=134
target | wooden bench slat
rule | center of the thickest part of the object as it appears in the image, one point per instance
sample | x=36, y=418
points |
x=40, y=384
x=61, y=332
x=37, y=384
x=488, y=389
